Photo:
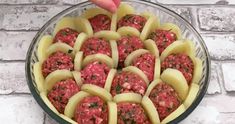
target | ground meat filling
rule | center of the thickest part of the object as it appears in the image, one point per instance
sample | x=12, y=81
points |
x=181, y=62
x=100, y=22
x=165, y=99
x=131, y=113
x=57, y=61
x=132, y=20
x=96, y=45
x=126, y=45
x=66, y=35
x=163, y=38
x=61, y=92
x=125, y=82
x=91, y=110
x=146, y=63
x=95, y=73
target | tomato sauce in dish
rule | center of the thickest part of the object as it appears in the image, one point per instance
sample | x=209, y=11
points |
x=96, y=45
x=57, y=61
x=146, y=63
x=181, y=62
x=100, y=22
x=132, y=20
x=163, y=38
x=125, y=82
x=91, y=110
x=66, y=35
x=61, y=92
x=131, y=113
x=165, y=99
x=95, y=73
x=126, y=45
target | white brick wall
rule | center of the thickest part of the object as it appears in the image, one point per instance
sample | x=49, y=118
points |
x=21, y=19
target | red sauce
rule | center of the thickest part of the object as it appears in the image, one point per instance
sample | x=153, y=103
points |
x=165, y=99
x=91, y=110
x=95, y=73
x=163, y=38
x=57, y=61
x=181, y=62
x=61, y=92
x=66, y=35
x=146, y=63
x=126, y=45
x=125, y=82
x=132, y=20
x=131, y=113
x=96, y=45
x=100, y=22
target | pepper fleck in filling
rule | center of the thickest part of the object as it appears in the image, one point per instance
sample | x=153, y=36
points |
x=100, y=22
x=163, y=38
x=96, y=45
x=91, y=110
x=165, y=99
x=66, y=35
x=57, y=61
x=132, y=20
x=146, y=63
x=126, y=45
x=181, y=62
x=125, y=82
x=131, y=113
x=95, y=73
x=61, y=92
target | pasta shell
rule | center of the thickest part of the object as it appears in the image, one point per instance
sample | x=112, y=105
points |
x=193, y=91
x=98, y=57
x=109, y=79
x=127, y=97
x=43, y=44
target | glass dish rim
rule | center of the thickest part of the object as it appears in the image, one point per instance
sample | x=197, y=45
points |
x=60, y=14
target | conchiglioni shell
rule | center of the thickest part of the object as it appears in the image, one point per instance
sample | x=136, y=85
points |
x=108, y=35
x=176, y=79
x=193, y=90
x=109, y=79
x=123, y=10
x=151, y=24
x=152, y=47
x=73, y=102
x=157, y=68
x=82, y=37
x=43, y=44
x=97, y=91
x=115, y=56
x=151, y=110
x=55, y=77
x=190, y=48
x=98, y=57
x=129, y=59
x=137, y=71
x=197, y=72
x=127, y=97
x=39, y=79
x=78, y=61
x=91, y=12
x=77, y=77
x=48, y=103
x=126, y=30
x=68, y=119
x=152, y=85
x=112, y=116
x=174, y=114
x=173, y=28
x=62, y=47
x=65, y=22
x=147, y=15
x=83, y=25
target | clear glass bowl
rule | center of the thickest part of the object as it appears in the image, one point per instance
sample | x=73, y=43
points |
x=163, y=13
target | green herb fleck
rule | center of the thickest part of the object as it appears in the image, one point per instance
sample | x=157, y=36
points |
x=70, y=51
x=93, y=105
x=118, y=88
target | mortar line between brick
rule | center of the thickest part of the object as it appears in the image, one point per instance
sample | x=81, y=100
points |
x=12, y=61
x=44, y=118
x=16, y=94
x=200, y=5
x=31, y=4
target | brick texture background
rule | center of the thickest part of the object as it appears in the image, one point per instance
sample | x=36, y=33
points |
x=21, y=19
